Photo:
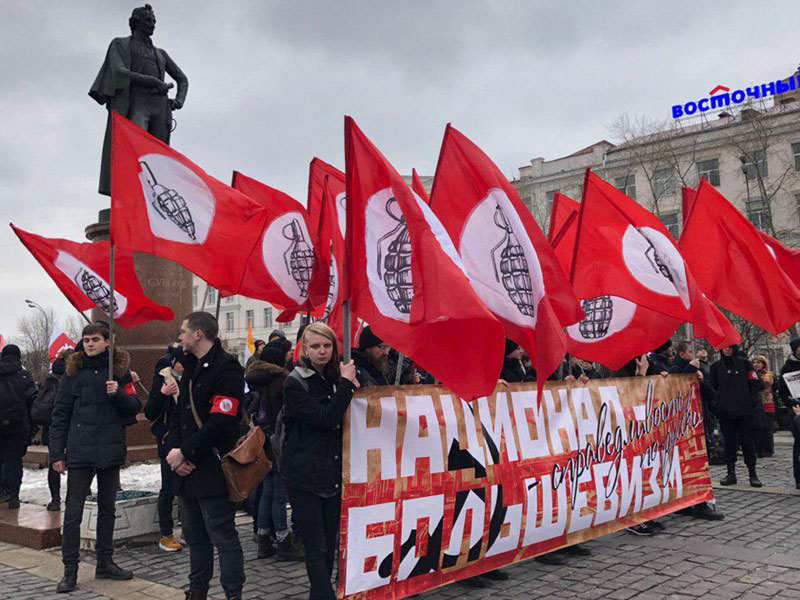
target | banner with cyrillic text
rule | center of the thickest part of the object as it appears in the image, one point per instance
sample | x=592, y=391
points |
x=436, y=489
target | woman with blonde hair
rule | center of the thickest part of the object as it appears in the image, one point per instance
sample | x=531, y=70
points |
x=316, y=396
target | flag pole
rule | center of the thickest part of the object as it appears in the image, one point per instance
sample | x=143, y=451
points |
x=348, y=334
x=111, y=304
x=85, y=318
x=216, y=312
x=399, y=371
x=694, y=341
x=205, y=297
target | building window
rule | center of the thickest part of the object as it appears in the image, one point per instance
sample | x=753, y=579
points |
x=665, y=182
x=549, y=197
x=229, y=321
x=672, y=223
x=756, y=164
x=250, y=316
x=709, y=169
x=796, y=153
x=194, y=295
x=758, y=213
x=212, y=295
x=267, y=317
x=626, y=185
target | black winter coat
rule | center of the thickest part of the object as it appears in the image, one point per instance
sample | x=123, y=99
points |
x=658, y=364
x=312, y=451
x=791, y=365
x=367, y=374
x=21, y=388
x=159, y=408
x=513, y=371
x=88, y=425
x=737, y=386
x=708, y=396
x=266, y=382
x=217, y=385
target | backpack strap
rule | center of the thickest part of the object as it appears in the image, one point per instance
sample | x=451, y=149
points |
x=300, y=379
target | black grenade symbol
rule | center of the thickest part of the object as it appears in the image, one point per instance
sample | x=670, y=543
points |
x=396, y=263
x=598, y=317
x=658, y=265
x=97, y=291
x=299, y=257
x=169, y=204
x=511, y=266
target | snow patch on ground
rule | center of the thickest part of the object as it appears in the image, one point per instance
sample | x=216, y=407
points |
x=143, y=476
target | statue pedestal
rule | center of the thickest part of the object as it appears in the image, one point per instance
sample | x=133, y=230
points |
x=166, y=283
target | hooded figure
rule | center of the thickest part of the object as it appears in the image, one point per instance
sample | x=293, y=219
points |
x=792, y=365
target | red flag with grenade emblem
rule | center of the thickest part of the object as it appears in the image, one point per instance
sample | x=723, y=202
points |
x=407, y=281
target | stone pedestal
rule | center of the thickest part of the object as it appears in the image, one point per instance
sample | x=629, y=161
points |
x=166, y=283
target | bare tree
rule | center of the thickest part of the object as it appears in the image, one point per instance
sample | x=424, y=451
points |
x=33, y=338
x=661, y=153
x=73, y=325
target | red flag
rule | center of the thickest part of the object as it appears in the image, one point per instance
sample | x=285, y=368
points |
x=59, y=341
x=317, y=172
x=406, y=278
x=614, y=330
x=788, y=258
x=419, y=189
x=163, y=204
x=284, y=268
x=81, y=272
x=733, y=265
x=2, y=342
x=687, y=198
x=509, y=262
x=624, y=250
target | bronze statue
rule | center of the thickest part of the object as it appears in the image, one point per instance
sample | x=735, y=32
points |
x=131, y=82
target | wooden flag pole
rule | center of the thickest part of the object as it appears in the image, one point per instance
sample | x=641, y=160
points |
x=219, y=300
x=348, y=334
x=111, y=305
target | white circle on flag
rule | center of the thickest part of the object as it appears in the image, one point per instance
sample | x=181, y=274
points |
x=503, y=267
x=288, y=254
x=180, y=206
x=605, y=316
x=388, y=246
x=654, y=261
x=771, y=251
x=91, y=284
x=341, y=211
x=333, y=288
x=226, y=405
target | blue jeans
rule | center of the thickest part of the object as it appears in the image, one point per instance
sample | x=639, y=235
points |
x=272, y=506
x=208, y=523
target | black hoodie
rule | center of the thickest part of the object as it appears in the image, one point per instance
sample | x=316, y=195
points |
x=19, y=390
x=737, y=385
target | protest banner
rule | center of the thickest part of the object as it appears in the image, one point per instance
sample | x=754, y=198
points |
x=436, y=489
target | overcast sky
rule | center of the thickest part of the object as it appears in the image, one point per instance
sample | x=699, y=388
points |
x=269, y=83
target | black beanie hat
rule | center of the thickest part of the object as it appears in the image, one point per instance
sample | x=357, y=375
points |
x=273, y=355
x=368, y=339
x=511, y=345
x=282, y=343
x=794, y=343
x=12, y=350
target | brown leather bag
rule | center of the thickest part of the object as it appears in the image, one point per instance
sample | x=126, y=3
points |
x=246, y=465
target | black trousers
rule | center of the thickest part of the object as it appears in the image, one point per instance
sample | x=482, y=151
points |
x=738, y=431
x=796, y=451
x=318, y=519
x=208, y=523
x=166, y=497
x=765, y=437
x=79, y=482
x=12, y=449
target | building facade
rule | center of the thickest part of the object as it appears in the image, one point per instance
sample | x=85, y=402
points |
x=752, y=156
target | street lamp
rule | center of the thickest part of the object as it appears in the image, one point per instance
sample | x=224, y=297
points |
x=37, y=306
x=743, y=160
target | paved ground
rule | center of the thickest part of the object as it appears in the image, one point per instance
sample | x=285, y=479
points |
x=753, y=553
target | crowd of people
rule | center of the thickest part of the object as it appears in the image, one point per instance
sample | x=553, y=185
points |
x=202, y=401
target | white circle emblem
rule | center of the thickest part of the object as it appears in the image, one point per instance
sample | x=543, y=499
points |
x=655, y=262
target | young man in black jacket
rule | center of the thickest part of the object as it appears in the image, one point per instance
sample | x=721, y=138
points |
x=791, y=365
x=737, y=386
x=87, y=438
x=17, y=391
x=159, y=410
x=206, y=425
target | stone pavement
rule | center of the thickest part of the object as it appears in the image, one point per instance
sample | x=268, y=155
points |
x=751, y=554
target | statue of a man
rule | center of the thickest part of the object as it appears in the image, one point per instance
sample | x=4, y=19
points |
x=131, y=82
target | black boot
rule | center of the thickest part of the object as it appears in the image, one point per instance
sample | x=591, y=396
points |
x=196, y=594
x=754, y=480
x=288, y=550
x=730, y=478
x=706, y=512
x=13, y=503
x=265, y=547
x=111, y=570
x=68, y=583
